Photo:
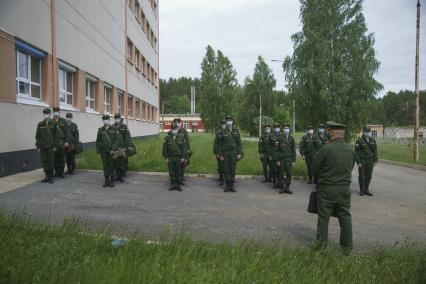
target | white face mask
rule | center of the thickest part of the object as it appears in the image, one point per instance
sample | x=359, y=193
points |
x=267, y=130
x=46, y=115
x=56, y=114
x=286, y=130
x=118, y=120
x=106, y=122
x=277, y=130
x=366, y=134
x=310, y=132
x=321, y=130
x=223, y=126
x=229, y=123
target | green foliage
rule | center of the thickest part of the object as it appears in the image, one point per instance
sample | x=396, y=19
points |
x=149, y=158
x=330, y=73
x=33, y=252
x=218, y=86
x=400, y=153
x=177, y=91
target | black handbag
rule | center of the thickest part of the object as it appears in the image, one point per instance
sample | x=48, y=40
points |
x=312, y=206
x=78, y=148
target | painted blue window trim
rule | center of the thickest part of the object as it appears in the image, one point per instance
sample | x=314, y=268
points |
x=25, y=47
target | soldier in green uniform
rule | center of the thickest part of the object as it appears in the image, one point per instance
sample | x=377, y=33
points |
x=322, y=138
x=184, y=132
x=175, y=153
x=74, y=139
x=231, y=151
x=272, y=149
x=308, y=149
x=263, y=152
x=285, y=159
x=108, y=141
x=333, y=166
x=123, y=162
x=46, y=143
x=59, y=153
x=367, y=157
x=216, y=151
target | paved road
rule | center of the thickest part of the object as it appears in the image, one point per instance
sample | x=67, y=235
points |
x=142, y=205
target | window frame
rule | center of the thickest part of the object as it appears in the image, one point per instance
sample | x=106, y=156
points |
x=108, y=90
x=28, y=80
x=120, y=100
x=88, y=98
x=129, y=106
x=66, y=92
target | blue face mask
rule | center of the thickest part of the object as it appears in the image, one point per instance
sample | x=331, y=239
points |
x=106, y=123
x=277, y=130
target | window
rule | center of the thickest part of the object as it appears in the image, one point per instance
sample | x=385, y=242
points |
x=129, y=106
x=137, y=108
x=65, y=86
x=143, y=111
x=120, y=98
x=143, y=21
x=143, y=65
x=129, y=50
x=148, y=71
x=186, y=125
x=107, y=99
x=90, y=95
x=138, y=61
x=28, y=75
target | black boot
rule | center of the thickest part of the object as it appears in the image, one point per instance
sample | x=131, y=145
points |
x=106, y=183
x=72, y=169
x=61, y=173
x=120, y=176
x=227, y=186
x=282, y=189
x=232, y=186
x=287, y=189
x=366, y=191
x=46, y=178
x=111, y=181
x=50, y=175
x=172, y=187
x=221, y=181
x=265, y=179
x=178, y=186
x=361, y=189
x=274, y=180
x=310, y=180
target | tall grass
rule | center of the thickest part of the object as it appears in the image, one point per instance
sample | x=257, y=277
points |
x=401, y=153
x=149, y=158
x=32, y=252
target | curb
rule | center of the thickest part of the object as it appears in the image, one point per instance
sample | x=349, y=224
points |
x=401, y=164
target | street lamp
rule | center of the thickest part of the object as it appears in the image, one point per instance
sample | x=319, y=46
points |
x=294, y=102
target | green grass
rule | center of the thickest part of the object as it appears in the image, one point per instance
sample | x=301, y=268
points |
x=401, y=153
x=149, y=158
x=33, y=252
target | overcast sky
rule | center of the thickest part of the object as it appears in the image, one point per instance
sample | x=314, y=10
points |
x=244, y=29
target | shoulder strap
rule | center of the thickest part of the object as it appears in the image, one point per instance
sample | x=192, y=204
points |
x=107, y=136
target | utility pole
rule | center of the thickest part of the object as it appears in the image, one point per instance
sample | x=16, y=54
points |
x=416, y=103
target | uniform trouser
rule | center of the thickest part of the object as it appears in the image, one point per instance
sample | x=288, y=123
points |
x=182, y=173
x=59, y=160
x=334, y=199
x=265, y=165
x=285, y=167
x=309, y=157
x=365, y=172
x=120, y=165
x=107, y=163
x=175, y=168
x=70, y=159
x=47, y=160
x=229, y=165
x=273, y=169
x=219, y=166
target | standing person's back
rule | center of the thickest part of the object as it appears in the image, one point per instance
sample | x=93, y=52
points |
x=332, y=166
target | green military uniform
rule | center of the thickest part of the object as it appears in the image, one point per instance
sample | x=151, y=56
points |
x=263, y=152
x=122, y=164
x=74, y=139
x=46, y=142
x=308, y=149
x=333, y=166
x=231, y=151
x=59, y=153
x=108, y=141
x=216, y=152
x=184, y=132
x=286, y=156
x=175, y=152
x=322, y=138
x=367, y=157
x=273, y=149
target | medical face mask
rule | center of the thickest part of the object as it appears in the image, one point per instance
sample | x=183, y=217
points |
x=310, y=132
x=56, y=114
x=321, y=130
x=267, y=130
x=106, y=122
x=229, y=123
x=277, y=130
x=223, y=126
x=118, y=120
x=286, y=130
x=47, y=116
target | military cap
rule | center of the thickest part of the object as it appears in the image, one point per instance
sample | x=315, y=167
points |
x=286, y=125
x=46, y=110
x=56, y=109
x=105, y=117
x=117, y=115
x=267, y=125
x=366, y=129
x=335, y=125
x=229, y=117
x=310, y=127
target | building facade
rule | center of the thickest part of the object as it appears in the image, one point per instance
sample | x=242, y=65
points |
x=87, y=57
x=191, y=122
